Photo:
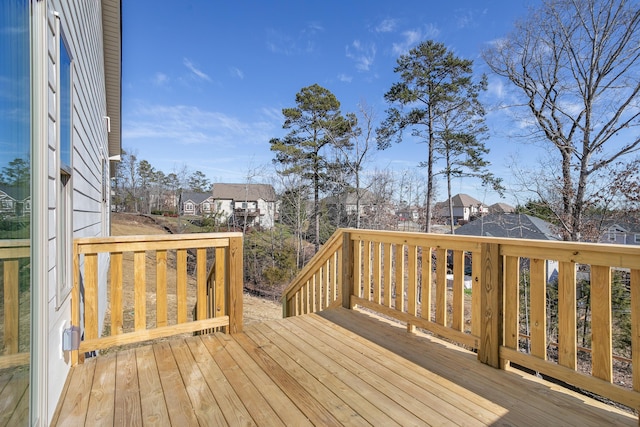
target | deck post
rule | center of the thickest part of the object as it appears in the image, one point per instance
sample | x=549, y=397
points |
x=347, y=269
x=235, y=281
x=491, y=303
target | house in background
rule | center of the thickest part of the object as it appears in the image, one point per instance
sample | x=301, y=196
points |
x=345, y=207
x=465, y=208
x=15, y=201
x=196, y=203
x=251, y=205
x=61, y=75
x=621, y=233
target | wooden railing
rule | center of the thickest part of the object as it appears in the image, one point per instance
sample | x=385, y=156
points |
x=14, y=350
x=170, y=265
x=468, y=290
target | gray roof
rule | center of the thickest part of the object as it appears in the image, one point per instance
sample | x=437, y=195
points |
x=509, y=225
x=244, y=192
x=18, y=193
x=194, y=196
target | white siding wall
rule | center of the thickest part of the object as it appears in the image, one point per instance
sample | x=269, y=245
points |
x=81, y=22
x=225, y=206
x=267, y=213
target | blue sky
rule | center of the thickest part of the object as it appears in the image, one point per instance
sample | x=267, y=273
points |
x=204, y=82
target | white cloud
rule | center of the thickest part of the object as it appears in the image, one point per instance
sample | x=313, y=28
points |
x=160, y=79
x=345, y=78
x=363, y=55
x=464, y=18
x=496, y=88
x=236, y=72
x=273, y=114
x=413, y=37
x=184, y=124
x=302, y=43
x=187, y=63
x=386, y=26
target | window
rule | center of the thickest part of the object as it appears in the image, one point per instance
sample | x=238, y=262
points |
x=612, y=236
x=64, y=205
x=65, y=105
x=636, y=238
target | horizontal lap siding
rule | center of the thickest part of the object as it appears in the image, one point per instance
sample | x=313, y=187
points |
x=81, y=23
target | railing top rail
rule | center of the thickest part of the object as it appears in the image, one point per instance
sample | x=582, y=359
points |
x=383, y=235
x=156, y=238
x=13, y=243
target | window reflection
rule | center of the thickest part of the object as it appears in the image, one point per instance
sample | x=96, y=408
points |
x=15, y=209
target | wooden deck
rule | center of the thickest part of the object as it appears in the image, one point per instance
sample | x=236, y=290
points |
x=337, y=367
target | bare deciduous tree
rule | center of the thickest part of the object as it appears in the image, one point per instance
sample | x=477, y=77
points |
x=577, y=65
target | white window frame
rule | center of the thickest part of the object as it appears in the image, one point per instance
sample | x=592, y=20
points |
x=64, y=202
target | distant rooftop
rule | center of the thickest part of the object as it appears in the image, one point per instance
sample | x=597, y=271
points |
x=518, y=226
x=249, y=192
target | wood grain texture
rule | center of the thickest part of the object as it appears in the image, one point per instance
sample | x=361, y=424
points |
x=338, y=367
x=538, y=307
x=602, y=366
x=567, y=315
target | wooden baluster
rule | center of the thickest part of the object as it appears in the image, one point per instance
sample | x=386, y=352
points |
x=457, y=321
x=139, y=290
x=538, y=304
x=366, y=271
x=236, y=285
x=11, y=306
x=567, y=315
x=511, y=302
x=220, y=279
x=201, y=283
x=476, y=290
x=181, y=285
x=90, y=296
x=161, y=288
x=425, y=283
x=357, y=268
x=376, y=272
x=412, y=281
x=601, y=323
x=441, y=286
x=399, y=277
x=115, y=283
x=387, y=267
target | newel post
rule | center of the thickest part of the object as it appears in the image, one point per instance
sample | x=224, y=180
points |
x=236, y=278
x=347, y=269
x=491, y=305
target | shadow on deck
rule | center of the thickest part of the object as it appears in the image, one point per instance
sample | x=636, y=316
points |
x=337, y=367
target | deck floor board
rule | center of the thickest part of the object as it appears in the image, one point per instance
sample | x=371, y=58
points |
x=337, y=367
